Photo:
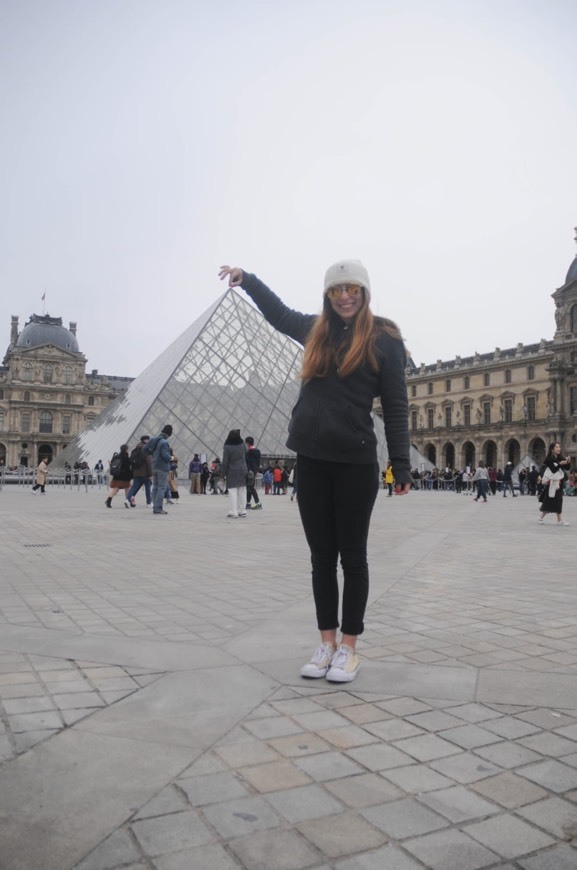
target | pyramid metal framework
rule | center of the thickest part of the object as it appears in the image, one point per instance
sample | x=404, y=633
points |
x=229, y=370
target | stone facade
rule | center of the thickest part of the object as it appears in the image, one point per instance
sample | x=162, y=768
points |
x=506, y=405
x=45, y=395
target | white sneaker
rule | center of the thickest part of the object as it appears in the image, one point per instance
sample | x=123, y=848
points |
x=320, y=662
x=242, y=514
x=127, y=503
x=562, y=523
x=233, y=516
x=344, y=665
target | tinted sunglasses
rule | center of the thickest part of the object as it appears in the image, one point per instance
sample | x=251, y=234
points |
x=351, y=290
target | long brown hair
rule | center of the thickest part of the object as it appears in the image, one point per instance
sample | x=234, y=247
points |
x=322, y=351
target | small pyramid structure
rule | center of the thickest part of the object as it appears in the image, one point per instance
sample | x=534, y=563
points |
x=228, y=370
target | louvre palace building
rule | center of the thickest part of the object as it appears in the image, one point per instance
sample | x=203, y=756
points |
x=501, y=406
x=46, y=397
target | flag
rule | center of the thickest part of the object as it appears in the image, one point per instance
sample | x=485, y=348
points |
x=43, y=296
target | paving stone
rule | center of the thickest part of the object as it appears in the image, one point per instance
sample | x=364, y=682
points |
x=273, y=776
x=212, y=788
x=337, y=700
x=465, y=768
x=469, y=736
x=544, y=718
x=507, y=754
x=508, y=836
x=555, y=815
x=403, y=706
x=321, y=720
x=212, y=856
x=364, y=790
x=551, y=774
x=417, y=778
x=116, y=849
x=393, y=729
x=243, y=754
x=427, y=747
x=450, y=850
x=434, y=720
x=386, y=858
x=458, y=804
x=72, y=716
x=275, y=850
x=345, y=834
x=569, y=731
x=78, y=701
x=404, y=818
x=364, y=713
x=169, y=800
x=207, y=763
x=171, y=833
x=28, y=739
x=329, y=765
x=14, y=706
x=549, y=743
x=348, y=737
x=306, y=802
x=558, y=858
x=238, y=818
x=293, y=706
x=510, y=727
x=299, y=745
x=379, y=756
x=35, y=721
x=279, y=726
x=509, y=790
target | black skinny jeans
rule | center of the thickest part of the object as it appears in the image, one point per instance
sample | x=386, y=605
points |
x=335, y=503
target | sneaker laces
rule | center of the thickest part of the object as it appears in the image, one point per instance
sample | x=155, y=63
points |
x=341, y=657
x=321, y=652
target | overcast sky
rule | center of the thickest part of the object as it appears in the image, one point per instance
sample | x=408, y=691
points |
x=146, y=142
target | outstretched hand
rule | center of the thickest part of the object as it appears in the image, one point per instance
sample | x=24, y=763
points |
x=235, y=275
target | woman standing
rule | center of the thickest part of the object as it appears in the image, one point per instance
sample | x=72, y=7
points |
x=350, y=358
x=41, y=477
x=481, y=478
x=120, y=474
x=553, y=479
x=234, y=469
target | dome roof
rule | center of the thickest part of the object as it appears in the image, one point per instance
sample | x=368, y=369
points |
x=572, y=273
x=47, y=330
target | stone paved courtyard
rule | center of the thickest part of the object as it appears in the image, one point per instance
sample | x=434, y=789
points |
x=152, y=716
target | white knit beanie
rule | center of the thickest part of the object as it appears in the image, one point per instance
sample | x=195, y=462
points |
x=347, y=272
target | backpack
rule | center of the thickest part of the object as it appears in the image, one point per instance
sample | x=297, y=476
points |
x=150, y=447
x=116, y=465
x=136, y=457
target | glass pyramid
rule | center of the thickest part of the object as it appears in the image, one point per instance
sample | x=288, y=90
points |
x=228, y=370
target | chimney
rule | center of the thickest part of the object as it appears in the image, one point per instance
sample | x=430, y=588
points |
x=72, y=327
x=14, y=329
x=94, y=373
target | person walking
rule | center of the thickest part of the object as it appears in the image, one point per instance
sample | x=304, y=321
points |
x=234, y=470
x=389, y=479
x=41, y=477
x=141, y=464
x=350, y=358
x=204, y=477
x=481, y=478
x=553, y=479
x=120, y=474
x=508, y=480
x=159, y=448
x=253, y=465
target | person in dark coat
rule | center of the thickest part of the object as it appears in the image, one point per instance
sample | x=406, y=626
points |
x=553, y=480
x=122, y=477
x=350, y=358
x=234, y=470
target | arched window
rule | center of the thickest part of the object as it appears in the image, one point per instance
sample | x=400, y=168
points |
x=413, y=390
x=45, y=422
x=507, y=376
x=47, y=374
x=27, y=371
x=487, y=379
x=68, y=374
x=430, y=389
x=466, y=382
x=448, y=386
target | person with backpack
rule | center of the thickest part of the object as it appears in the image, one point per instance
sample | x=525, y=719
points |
x=253, y=464
x=141, y=466
x=120, y=474
x=160, y=451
